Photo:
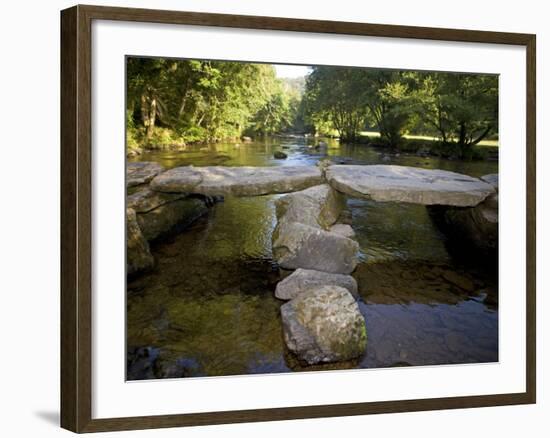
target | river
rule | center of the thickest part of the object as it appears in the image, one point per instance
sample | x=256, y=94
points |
x=208, y=309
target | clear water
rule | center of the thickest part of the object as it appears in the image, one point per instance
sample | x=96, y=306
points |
x=209, y=306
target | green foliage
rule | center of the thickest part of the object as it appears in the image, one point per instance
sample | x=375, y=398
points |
x=390, y=102
x=132, y=134
x=462, y=109
x=173, y=102
x=278, y=112
x=334, y=100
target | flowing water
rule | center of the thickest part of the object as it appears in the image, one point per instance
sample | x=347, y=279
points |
x=208, y=307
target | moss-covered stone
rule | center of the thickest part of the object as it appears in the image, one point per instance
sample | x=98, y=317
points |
x=324, y=325
x=138, y=256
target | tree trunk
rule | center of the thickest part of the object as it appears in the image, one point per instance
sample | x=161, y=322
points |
x=462, y=135
x=462, y=144
x=482, y=135
x=148, y=115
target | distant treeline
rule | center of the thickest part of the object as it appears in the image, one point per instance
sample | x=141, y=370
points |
x=457, y=108
x=173, y=102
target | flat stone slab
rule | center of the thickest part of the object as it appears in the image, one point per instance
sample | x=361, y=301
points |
x=237, y=181
x=408, y=184
x=141, y=172
x=491, y=179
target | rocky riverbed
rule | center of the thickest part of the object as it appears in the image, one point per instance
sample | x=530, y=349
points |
x=208, y=306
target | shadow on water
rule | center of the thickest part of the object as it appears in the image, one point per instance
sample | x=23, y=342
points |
x=208, y=309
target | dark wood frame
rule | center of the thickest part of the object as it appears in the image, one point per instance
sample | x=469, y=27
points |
x=76, y=238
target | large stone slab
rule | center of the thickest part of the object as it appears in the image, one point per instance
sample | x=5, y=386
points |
x=324, y=325
x=303, y=280
x=408, y=184
x=237, y=181
x=141, y=172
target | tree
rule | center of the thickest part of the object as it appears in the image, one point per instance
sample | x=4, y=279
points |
x=173, y=101
x=146, y=85
x=203, y=100
x=387, y=94
x=332, y=95
x=461, y=108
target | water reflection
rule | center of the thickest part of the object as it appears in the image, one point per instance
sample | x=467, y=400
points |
x=208, y=307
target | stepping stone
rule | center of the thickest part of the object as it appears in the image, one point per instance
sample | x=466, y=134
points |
x=237, y=181
x=141, y=172
x=408, y=184
x=324, y=325
x=303, y=280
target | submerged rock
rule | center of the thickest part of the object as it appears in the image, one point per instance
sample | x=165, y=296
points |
x=237, y=181
x=134, y=152
x=279, y=155
x=138, y=255
x=408, y=184
x=303, y=280
x=324, y=325
x=149, y=362
x=140, y=362
x=458, y=280
x=302, y=237
x=141, y=172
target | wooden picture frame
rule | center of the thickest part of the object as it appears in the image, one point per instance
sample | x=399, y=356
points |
x=76, y=217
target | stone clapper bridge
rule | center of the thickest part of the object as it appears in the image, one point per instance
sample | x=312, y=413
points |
x=321, y=320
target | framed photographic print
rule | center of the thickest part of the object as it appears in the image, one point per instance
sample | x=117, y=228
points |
x=268, y=218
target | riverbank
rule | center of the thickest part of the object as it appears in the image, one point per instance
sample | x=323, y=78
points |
x=420, y=145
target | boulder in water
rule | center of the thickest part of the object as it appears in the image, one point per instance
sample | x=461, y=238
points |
x=475, y=227
x=138, y=255
x=302, y=237
x=324, y=325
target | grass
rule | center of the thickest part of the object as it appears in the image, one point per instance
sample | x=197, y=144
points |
x=491, y=143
